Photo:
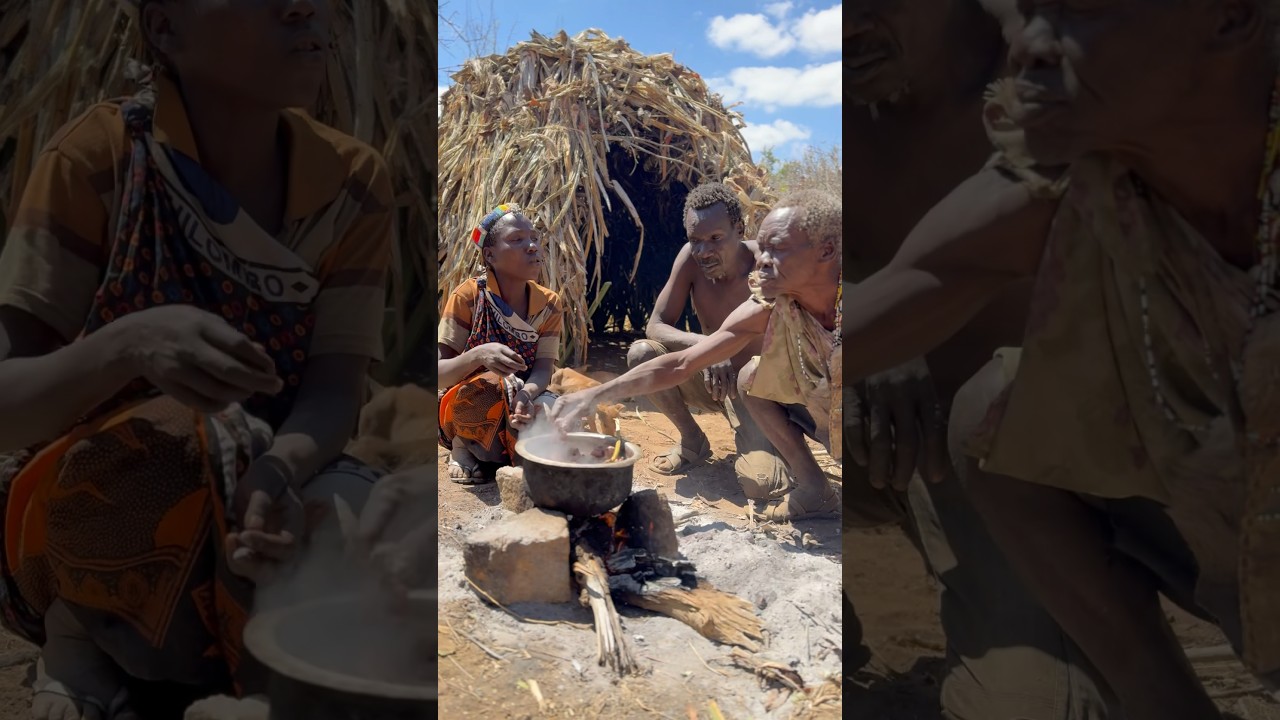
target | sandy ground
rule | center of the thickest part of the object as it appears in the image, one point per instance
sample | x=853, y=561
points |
x=899, y=609
x=797, y=591
x=17, y=669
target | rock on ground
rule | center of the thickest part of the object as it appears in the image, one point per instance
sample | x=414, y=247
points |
x=512, y=489
x=522, y=558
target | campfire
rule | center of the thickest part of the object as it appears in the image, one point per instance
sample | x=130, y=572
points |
x=580, y=531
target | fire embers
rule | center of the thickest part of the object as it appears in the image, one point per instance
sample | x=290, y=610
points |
x=630, y=569
x=626, y=543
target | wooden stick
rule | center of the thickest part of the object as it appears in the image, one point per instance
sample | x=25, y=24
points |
x=517, y=616
x=611, y=644
x=715, y=614
x=698, y=655
x=477, y=643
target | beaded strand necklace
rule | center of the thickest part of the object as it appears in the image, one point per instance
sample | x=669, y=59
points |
x=839, y=316
x=1264, y=273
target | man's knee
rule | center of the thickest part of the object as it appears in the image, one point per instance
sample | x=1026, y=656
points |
x=761, y=473
x=746, y=375
x=971, y=404
x=641, y=351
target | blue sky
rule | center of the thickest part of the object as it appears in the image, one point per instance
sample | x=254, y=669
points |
x=780, y=60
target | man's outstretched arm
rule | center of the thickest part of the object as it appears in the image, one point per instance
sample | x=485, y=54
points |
x=987, y=233
x=742, y=326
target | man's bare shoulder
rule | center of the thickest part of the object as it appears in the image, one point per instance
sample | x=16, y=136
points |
x=750, y=318
x=684, y=258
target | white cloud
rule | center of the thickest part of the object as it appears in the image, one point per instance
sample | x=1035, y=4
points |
x=440, y=99
x=749, y=33
x=778, y=9
x=818, y=32
x=774, y=134
x=798, y=150
x=773, y=87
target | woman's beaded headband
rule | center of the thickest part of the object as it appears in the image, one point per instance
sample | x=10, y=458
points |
x=481, y=231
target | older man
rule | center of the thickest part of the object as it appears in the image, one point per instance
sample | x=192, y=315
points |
x=1130, y=447
x=710, y=273
x=794, y=315
x=916, y=70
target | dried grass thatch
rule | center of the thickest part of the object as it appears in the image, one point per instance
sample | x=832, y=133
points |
x=57, y=57
x=559, y=125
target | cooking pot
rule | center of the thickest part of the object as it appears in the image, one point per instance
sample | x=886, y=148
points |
x=581, y=489
x=330, y=661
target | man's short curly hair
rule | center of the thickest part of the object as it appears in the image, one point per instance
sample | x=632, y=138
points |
x=818, y=213
x=713, y=193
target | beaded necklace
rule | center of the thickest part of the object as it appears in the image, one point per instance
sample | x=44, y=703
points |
x=839, y=318
x=1264, y=272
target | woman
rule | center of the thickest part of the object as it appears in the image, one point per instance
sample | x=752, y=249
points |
x=193, y=285
x=499, y=339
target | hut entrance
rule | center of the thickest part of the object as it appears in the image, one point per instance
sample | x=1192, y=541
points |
x=626, y=305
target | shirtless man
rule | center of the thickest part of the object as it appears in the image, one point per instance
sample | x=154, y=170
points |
x=1128, y=448
x=711, y=272
x=917, y=70
x=789, y=388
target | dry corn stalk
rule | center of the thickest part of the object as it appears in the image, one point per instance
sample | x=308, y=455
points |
x=57, y=57
x=535, y=126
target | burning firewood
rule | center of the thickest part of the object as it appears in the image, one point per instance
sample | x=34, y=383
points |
x=716, y=615
x=611, y=644
x=645, y=571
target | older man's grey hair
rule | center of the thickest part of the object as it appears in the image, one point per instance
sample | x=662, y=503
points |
x=818, y=213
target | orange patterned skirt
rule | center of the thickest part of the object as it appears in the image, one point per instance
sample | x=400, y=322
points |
x=122, y=519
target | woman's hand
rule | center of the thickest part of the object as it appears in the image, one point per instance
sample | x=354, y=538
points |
x=271, y=524
x=196, y=357
x=499, y=358
x=524, y=411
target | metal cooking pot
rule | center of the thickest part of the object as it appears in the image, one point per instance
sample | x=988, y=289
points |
x=317, y=654
x=578, y=489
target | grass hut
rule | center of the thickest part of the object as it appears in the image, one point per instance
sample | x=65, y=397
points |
x=601, y=144
x=57, y=57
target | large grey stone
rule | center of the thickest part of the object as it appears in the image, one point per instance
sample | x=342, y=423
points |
x=512, y=490
x=522, y=558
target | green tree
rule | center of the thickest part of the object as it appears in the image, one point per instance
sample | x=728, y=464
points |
x=817, y=167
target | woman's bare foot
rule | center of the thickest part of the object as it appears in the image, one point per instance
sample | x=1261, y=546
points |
x=74, y=679
x=463, y=466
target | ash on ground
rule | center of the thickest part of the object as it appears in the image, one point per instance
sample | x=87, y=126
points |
x=795, y=591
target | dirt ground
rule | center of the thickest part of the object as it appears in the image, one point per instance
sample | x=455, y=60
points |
x=797, y=590
x=17, y=669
